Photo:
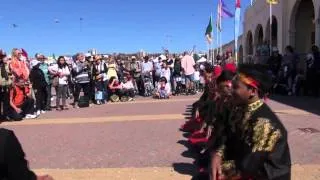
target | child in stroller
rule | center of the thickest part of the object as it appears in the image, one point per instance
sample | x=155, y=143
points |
x=147, y=85
x=180, y=85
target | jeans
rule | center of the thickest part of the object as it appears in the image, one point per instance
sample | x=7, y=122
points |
x=47, y=97
x=197, y=85
x=86, y=90
x=61, y=94
x=102, y=86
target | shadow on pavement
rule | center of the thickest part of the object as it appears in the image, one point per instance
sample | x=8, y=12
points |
x=309, y=104
x=185, y=168
x=190, y=152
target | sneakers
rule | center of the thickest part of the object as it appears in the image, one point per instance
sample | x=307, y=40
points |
x=40, y=112
x=130, y=99
x=31, y=116
x=76, y=106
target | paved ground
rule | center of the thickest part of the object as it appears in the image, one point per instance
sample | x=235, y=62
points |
x=140, y=140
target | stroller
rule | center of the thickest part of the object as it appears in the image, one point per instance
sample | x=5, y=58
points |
x=148, y=85
x=179, y=85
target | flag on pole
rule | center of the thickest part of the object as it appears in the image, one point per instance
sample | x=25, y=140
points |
x=272, y=1
x=218, y=24
x=225, y=12
x=209, y=31
x=237, y=26
x=222, y=12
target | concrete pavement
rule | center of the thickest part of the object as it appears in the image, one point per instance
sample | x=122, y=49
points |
x=139, y=141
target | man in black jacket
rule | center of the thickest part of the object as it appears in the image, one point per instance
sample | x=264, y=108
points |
x=39, y=86
x=254, y=142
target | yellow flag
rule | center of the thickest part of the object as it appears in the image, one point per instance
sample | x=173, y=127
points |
x=272, y=1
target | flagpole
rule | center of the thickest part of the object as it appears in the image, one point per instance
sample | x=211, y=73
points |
x=213, y=57
x=218, y=39
x=235, y=38
x=220, y=22
x=270, y=35
x=210, y=46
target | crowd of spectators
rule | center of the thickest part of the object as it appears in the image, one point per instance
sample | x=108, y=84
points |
x=32, y=86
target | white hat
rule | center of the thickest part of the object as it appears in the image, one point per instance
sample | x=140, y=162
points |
x=34, y=63
x=133, y=57
x=163, y=57
x=87, y=54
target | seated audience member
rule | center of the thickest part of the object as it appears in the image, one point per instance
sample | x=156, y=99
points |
x=163, y=90
x=128, y=88
x=22, y=105
x=114, y=88
x=14, y=166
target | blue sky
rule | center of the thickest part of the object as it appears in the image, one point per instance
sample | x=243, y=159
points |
x=108, y=25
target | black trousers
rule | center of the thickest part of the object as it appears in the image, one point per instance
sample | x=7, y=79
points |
x=41, y=95
x=86, y=90
x=127, y=92
x=47, y=97
x=4, y=102
x=27, y=108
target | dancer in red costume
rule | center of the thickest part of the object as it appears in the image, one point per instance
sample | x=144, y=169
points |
x=199, y=107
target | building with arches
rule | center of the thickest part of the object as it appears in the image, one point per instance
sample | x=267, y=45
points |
x=294, y=22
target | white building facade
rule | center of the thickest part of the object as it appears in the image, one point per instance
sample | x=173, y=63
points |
x=294, y=22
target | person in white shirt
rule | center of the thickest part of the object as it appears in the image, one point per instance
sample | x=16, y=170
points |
x=196, y=77
x=165, y=71
x=147, y=66
x=128, y=88
x=147, y=69
x=62, y=72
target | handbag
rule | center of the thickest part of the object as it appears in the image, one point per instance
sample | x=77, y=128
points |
x=83, y=102
x=99, y=95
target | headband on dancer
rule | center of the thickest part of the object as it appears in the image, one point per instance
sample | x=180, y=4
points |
x=248, y=81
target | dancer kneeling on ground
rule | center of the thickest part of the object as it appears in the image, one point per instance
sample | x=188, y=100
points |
x=201, y=107
x=120, y=91
x=163, y=89
x=211, y=127
x=253, y=143
x=21, y=102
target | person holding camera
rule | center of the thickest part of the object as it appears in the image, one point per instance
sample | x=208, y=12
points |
x=81, y=70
